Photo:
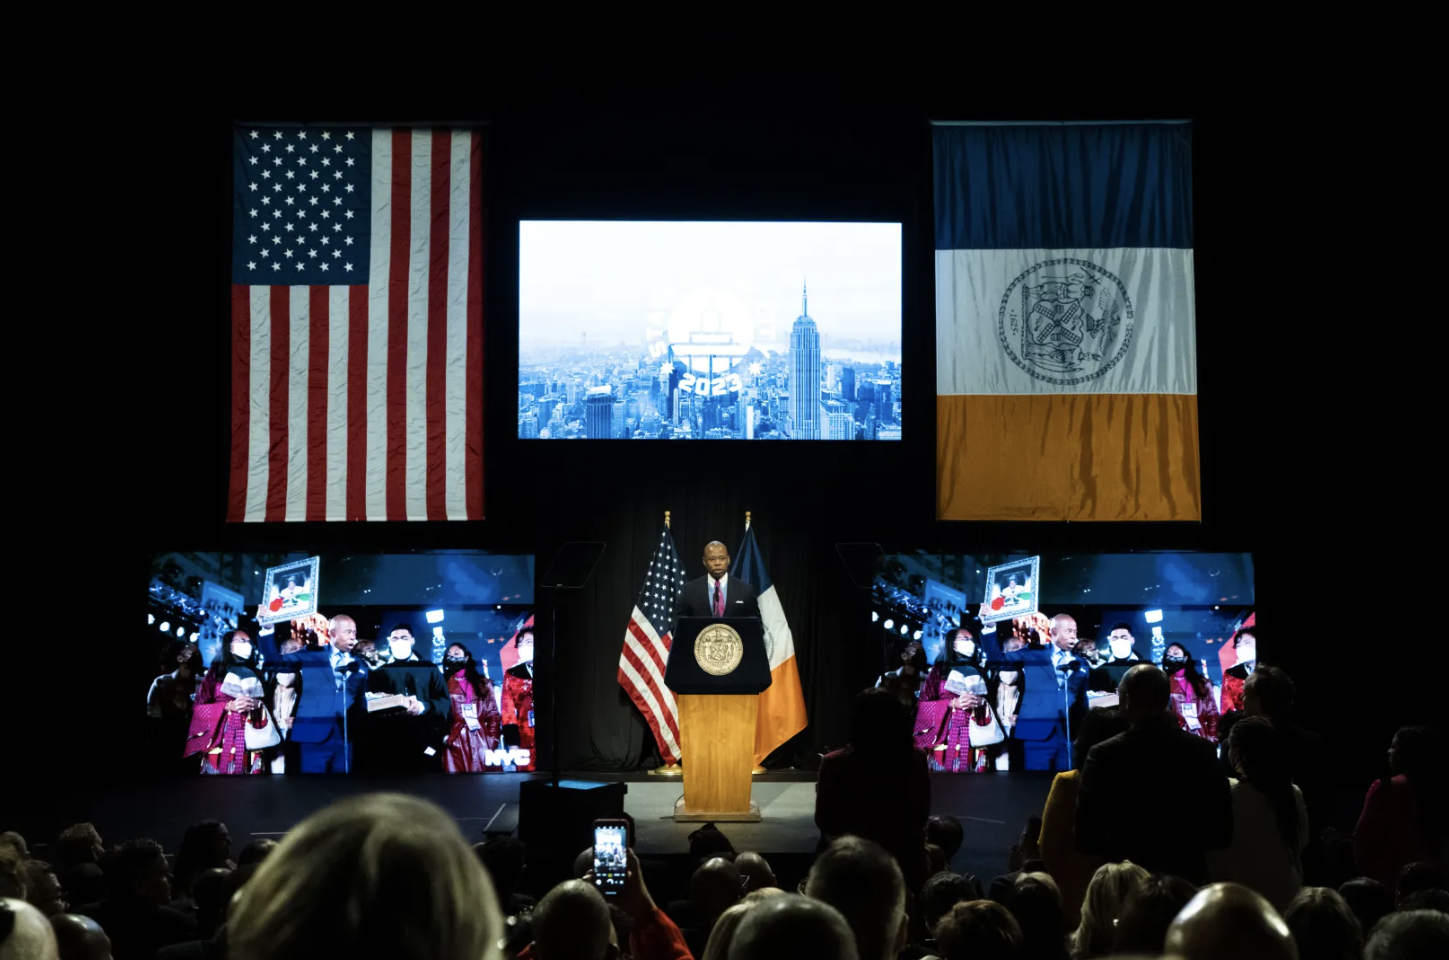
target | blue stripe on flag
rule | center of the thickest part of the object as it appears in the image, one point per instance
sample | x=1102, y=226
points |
x=751, y=565
x=1052, y=187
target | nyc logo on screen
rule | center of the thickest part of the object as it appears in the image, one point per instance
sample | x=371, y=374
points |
x=517, y=756
x=1065, y=321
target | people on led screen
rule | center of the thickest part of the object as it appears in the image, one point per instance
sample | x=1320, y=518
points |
x=1245, y=653
x=476, y=723
x=409, y=738
x=1105, y=677
x=230, y=698
x=905, y=676
x=1054, y=694
x=368, y=651
x=332, y=682
x=172, y=692
x=1192, y=695
x=1087, y=650
x=954, y=713
x=517, y=714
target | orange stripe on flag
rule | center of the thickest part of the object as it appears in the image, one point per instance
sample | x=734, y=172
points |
x=1068, y=457
x=782, y=710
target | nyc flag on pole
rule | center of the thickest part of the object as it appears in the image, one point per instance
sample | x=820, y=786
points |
x=782, y=704
x=1066, y=357
x=357, y=324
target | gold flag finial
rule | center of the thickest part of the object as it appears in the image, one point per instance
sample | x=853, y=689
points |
x=666, y=518
x=747, y=519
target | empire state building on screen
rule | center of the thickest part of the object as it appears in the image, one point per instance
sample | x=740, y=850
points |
x=804, y=374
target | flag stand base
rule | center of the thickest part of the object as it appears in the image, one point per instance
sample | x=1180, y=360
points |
x=668, y=770
x=758, y=770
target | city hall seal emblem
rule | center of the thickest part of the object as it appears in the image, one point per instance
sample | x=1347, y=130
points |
x=718, y=649
x=1065, y=321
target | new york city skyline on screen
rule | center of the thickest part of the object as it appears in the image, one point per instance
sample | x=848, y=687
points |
x=709, y=330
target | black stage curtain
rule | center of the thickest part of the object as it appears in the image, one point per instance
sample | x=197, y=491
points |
x=598, y=726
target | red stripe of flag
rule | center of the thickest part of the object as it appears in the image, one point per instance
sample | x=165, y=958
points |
x=397, y=325
x=241, y=400
x=357, y=402
x=656, y=724
x=436, y=405
x=317, y=348
x=277, y=441
x=473, y=441
x=662, y=695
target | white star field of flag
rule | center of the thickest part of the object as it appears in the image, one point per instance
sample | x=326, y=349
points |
x=661, y=585
x=299, y=207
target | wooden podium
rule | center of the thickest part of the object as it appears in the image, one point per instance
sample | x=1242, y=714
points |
x=718, y=711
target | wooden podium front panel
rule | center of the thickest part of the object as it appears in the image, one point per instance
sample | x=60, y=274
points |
x=718, y=742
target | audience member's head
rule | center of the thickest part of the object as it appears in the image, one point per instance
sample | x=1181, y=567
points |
x=10, y=840
x=880, y=725
x=942, y=892
x=572, y=922
x=1107, y=894
x=205, y=845
x=945, y=832
x=1229, y=920
x=1435, y=899
x=583, y=863
x=715, y=887
x=137, y=870
x=1036, y=903
x=43, y=890
x=764, y=893
x=256, y=851
x=862, y=881
x=395, y=876
x=12, y=875
x=1368, y=900
x=78, y=843
x=935, y=859
x=1416, y=877
x=1148, y=913
x=1099, y=725
x=503, y=858
x=1414, y=753
x=80, y=938
x=757, y=872
x=709, y=842
x=1414, y=935
x=723, y=932
x=25, y=933
x=1143, y=693
x=788, y=927
x=978, y=930
x=1323, y=926
x=1268, y=692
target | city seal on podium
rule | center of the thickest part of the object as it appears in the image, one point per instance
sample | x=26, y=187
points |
x=718, y=649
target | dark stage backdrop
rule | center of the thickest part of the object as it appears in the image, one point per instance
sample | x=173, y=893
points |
x=1308, y=456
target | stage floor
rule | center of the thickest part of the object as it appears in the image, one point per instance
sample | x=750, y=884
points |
x=992, y=807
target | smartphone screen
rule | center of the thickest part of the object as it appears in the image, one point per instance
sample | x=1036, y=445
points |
x=611, y=842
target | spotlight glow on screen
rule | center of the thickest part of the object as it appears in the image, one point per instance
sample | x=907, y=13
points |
x=709, y=330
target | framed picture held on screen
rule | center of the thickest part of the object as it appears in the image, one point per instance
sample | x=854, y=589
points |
x=291, y=592
x=1012, y=590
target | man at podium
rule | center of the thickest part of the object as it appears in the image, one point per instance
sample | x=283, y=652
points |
x=716, y=594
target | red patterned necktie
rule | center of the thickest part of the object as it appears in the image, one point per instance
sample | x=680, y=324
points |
x=718, y=600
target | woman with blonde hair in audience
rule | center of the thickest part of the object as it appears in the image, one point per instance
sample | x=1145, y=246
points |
x=382, y=875
x=1107, y=894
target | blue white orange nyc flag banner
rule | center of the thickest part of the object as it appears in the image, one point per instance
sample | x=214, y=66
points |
x=1066, y=358
x=782, y=704
x=357, y=324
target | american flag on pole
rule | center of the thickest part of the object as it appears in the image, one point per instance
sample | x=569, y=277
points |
x=646, y=647
x=357, y=325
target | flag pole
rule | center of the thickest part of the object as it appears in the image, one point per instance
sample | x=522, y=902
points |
x=757, y=770
x=669, y=769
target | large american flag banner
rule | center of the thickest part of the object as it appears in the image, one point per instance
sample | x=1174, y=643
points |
x=357, y=325
x=646, y=647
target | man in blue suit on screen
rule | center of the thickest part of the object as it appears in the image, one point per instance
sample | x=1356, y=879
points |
x=331, y=696
x=1055, y=691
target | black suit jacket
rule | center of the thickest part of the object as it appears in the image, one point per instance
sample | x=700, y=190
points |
x=1155, y=795
x=741, y=599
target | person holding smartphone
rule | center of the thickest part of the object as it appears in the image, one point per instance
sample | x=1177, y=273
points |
x=573, y=919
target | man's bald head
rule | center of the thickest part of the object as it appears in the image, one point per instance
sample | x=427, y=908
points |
x=80, y=938
x=756, y=871
x=30, y=936
x=583, y=863
x=715, y=887
x=1229, y=920
x=791, y=926
x=572, y=923
x=1143, y=692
